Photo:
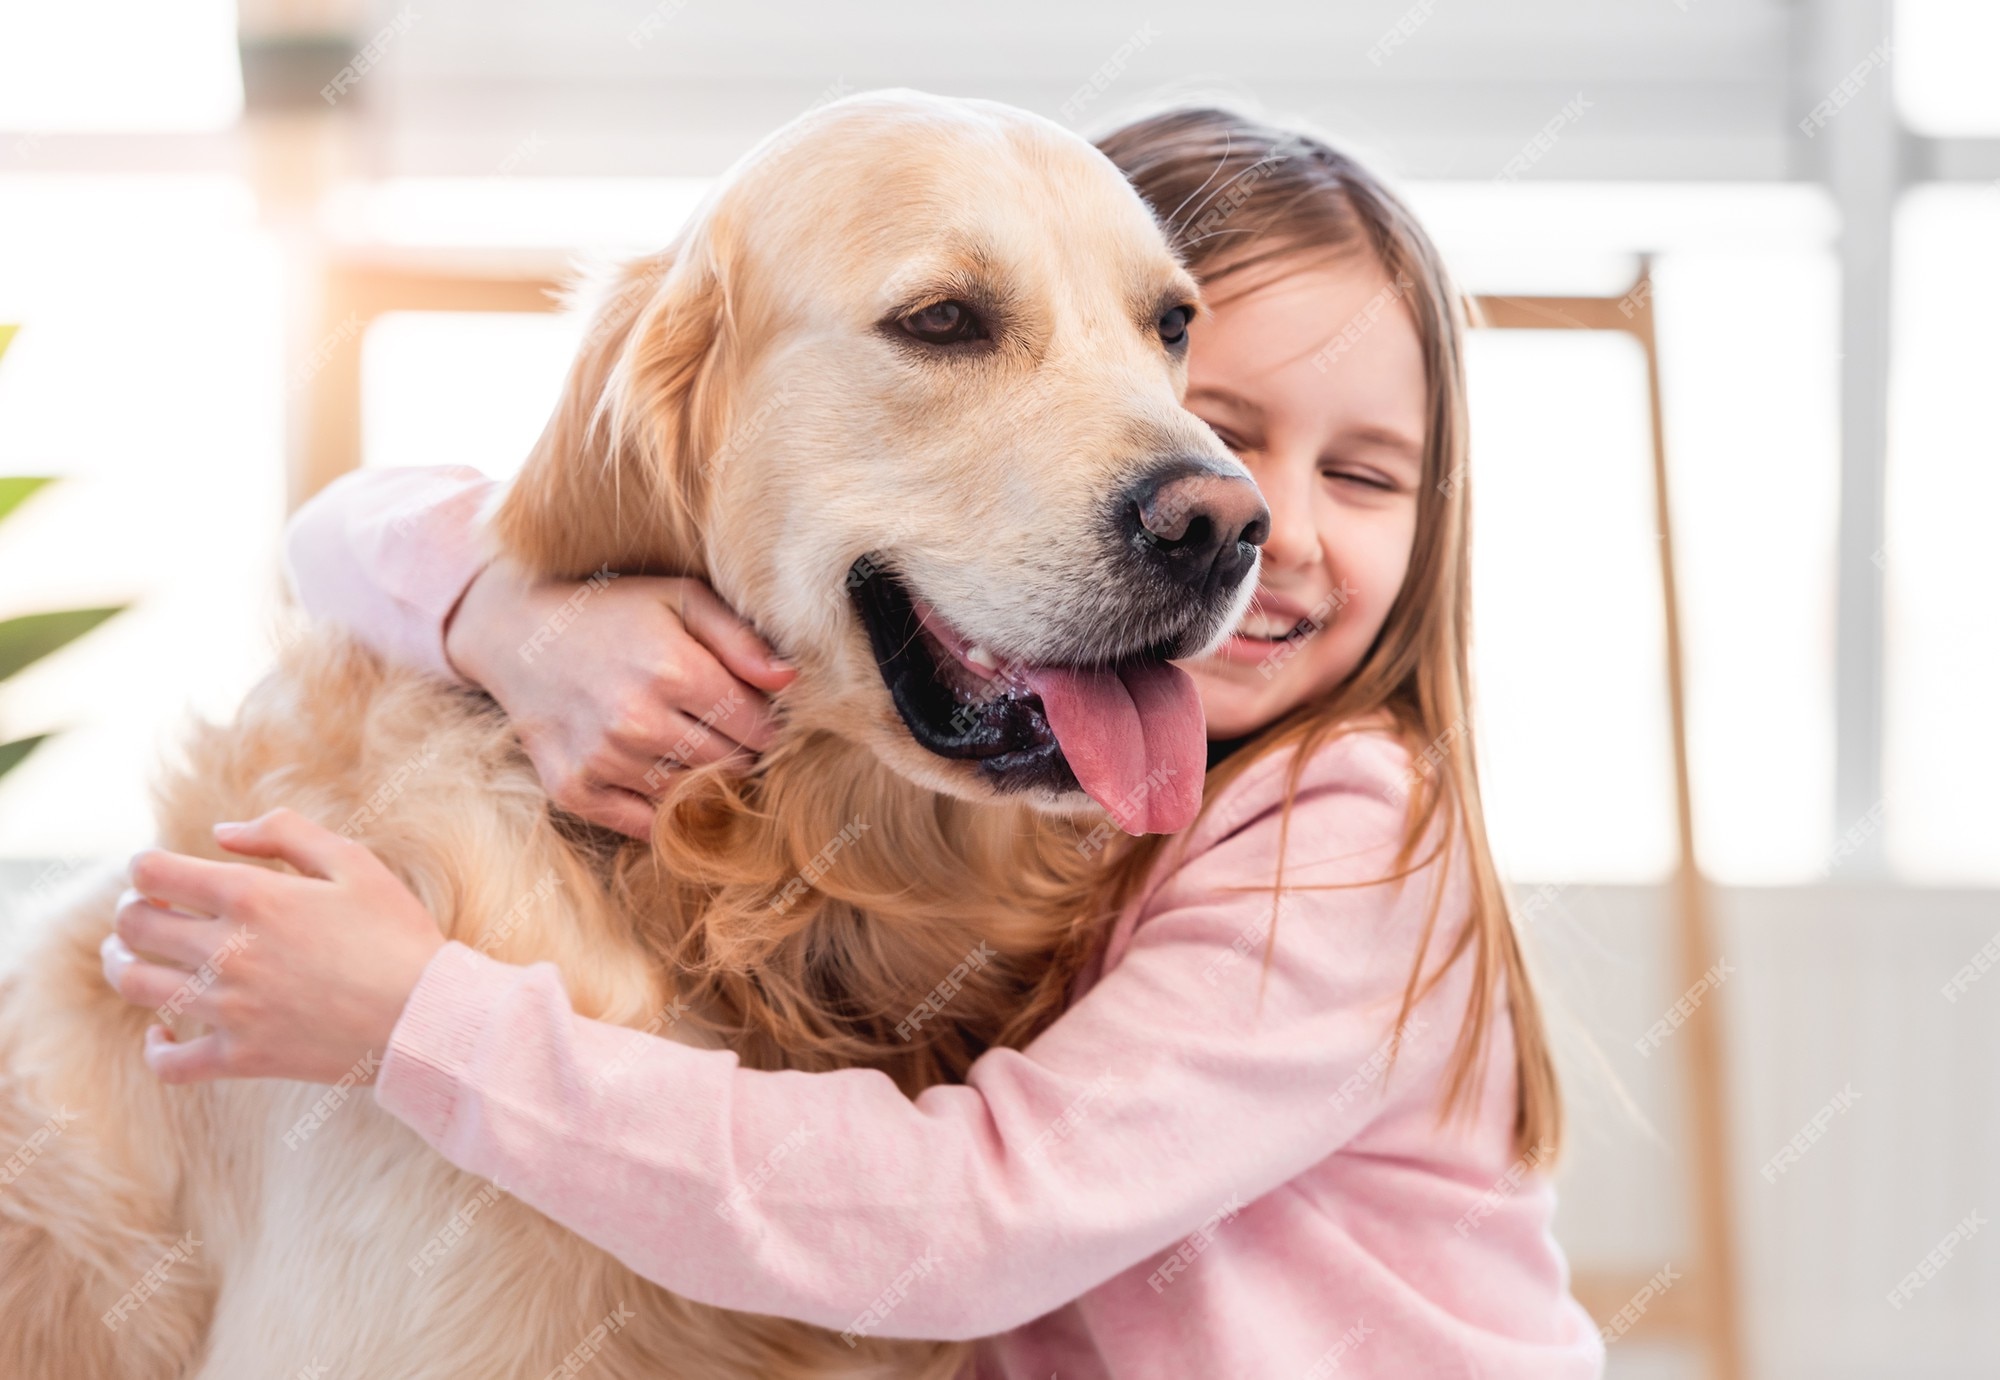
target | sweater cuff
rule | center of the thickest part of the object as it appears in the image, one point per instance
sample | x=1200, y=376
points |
x=431, y=1048
x=444, y=546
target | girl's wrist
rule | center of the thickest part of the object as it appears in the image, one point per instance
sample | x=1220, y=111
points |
x=478, y=628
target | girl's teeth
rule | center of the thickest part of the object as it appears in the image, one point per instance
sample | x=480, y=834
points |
x=982, y=658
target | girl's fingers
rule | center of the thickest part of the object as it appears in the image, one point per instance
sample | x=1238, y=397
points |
x=713, y=700
x=641, y=764
x=616, y=808
x=114, y=958
x=696, y=744
x=735, y=643
x=290, y=837
x=189, y=884
x=749, y=720
x=192, y=1061
x=186, y=940
x=151, y=985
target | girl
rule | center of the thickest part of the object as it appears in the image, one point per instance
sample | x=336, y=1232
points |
x=1295, y=1117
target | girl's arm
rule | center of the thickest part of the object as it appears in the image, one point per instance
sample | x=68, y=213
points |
x=1158, y=1100
x=388, y=554
x=654, y=674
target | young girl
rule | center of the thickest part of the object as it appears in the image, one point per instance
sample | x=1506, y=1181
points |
x=1296, y=1117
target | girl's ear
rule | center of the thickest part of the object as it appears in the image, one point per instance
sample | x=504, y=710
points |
x=614, y=480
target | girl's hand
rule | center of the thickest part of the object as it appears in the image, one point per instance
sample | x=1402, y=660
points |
x=611, y=685
x=298, y=977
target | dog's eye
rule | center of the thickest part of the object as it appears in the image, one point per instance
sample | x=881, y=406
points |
x=945, y=323
x=1174, y=326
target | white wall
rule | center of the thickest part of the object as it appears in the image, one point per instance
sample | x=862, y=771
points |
x=1832, y=990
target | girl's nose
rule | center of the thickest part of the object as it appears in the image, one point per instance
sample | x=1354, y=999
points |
x=1293, y=542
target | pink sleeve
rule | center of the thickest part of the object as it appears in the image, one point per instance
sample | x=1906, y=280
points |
x=1159, y=1095
x=387, y=554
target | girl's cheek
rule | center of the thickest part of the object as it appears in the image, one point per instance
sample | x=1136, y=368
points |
x=1366, y=576
x=1367, y=564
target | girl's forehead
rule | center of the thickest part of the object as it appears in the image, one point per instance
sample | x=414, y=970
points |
x=1332, y=341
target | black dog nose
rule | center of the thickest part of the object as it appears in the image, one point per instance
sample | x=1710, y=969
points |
x=1199, y=528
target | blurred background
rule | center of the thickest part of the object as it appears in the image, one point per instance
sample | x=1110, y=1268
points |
x=249, y=246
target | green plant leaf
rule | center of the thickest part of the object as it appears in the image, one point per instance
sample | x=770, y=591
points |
x=14, y=491
x=6, y=338
x=26, y=640
x=12, y=753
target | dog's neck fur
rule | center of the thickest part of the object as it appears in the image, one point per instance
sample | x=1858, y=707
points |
x=822, y=912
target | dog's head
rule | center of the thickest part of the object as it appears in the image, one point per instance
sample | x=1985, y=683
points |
x=906, y=391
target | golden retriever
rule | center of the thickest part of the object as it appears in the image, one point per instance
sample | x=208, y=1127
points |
x=906, y=392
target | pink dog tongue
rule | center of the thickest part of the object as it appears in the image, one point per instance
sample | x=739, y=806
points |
x=1134, y=737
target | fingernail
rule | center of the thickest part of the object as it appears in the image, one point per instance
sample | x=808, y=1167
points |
x=228, y=827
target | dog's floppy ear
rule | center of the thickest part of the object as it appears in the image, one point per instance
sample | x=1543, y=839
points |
x=615, y=480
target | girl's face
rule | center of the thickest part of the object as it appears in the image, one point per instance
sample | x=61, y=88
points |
x=1315, y=378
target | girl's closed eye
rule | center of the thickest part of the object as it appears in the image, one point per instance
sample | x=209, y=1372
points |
x=1237, y=445
x=1373, y=460
x=1362, y=478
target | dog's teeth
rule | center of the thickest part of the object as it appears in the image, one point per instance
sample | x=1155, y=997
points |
x=982, y=658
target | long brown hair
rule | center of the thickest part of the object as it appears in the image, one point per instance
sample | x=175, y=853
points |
x=1237, y=197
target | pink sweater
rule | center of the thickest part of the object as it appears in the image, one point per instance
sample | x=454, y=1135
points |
x=1170, y=1181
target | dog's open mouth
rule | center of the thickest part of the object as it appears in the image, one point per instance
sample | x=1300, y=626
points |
x=1128, y=733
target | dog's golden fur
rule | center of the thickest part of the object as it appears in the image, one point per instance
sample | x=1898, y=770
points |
x=708, y=384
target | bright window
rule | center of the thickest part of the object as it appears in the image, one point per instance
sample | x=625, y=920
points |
x=1941, y=561
x=127, y=65
x=1574, y=739
x=1943, y=65
x=1572, y=725
x=461, y=388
